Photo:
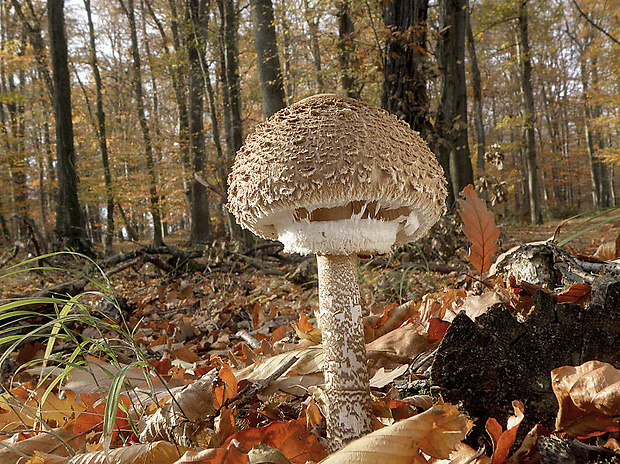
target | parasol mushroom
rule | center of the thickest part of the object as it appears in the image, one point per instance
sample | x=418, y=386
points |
x=333, y=176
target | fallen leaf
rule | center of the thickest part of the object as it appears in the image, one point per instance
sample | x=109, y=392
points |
x=55, y=441
x=292, y=438
x=578, y=293
x=503, y=441
x=436, y=433
x=479, y=227
x=229, y=455
x=160, y=452
x=589, y=398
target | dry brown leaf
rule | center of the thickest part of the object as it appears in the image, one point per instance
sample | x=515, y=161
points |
x=292, y=438
x=503, y=440
x=176, y=421
x=229, y=455
x=436, y=433
x=20, y=408
x=51, y=442
x=160, y=452
x=577, y=293
x=589, y=398
x=479, y=227
x=398, y=346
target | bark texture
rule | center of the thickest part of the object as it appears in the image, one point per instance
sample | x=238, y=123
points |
x=158, y=239
x=101, y=132
x=200, y=221
x=268, y=62
x=346, y=372
x=529, y=113
x=451, y=125
x=405, y=68
x=69, y=217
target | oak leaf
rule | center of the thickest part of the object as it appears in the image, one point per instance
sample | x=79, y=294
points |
x=479, y=227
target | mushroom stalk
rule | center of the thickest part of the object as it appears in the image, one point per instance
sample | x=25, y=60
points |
x=347, y=385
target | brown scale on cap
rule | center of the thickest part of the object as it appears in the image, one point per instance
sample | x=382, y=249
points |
x=329, y=157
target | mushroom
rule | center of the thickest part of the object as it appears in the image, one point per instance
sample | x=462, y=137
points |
x=333, y=176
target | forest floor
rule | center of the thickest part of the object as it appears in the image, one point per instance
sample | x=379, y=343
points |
x=239, y=317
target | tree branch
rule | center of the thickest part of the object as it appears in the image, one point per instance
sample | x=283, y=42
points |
x=587, y=18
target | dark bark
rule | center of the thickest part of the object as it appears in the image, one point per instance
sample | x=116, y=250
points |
x=69, y=230
x=200, y=225
x=405, y=70
x=451, y=126
x=101, y=133
x=529, y=113
x=476, y=83
x=231, y=79
x=346, y=50
x=268, y=62
x=144, y=126
x=229, y=67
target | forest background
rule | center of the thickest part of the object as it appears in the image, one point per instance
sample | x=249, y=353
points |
x=119, y=119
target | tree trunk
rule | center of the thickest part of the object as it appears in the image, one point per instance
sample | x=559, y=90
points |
x=404, y=69
x=200, y=220
x=33, y=31
x=315, y=48
x=144, y=127
x=451, y=126
x=268, y=62
x=232, y=101
x=101, y=134
x=476, y=83
x=69, y=231
x=525, y=63
x=346, y=49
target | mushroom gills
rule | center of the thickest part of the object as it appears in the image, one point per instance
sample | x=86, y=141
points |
x=350, y=228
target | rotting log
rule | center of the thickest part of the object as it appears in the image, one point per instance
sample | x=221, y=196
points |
x=487, y=363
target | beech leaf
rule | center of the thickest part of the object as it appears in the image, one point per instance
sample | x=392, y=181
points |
x=589, y=398
x=480, y=229
x=437, y=432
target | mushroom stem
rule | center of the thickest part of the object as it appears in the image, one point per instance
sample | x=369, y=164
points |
x=347, y=386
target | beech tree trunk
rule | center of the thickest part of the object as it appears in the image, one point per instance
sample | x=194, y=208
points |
x=268, y=62
x=476, y=83
x=101, y=134
x=529, y=113
x=70, y=232
x=346, y=49
x=232, y=101
x=315, y=48
x=347, y=386
x=200, y=225
x=144, y=126
x=404, y=71
x=451, y=126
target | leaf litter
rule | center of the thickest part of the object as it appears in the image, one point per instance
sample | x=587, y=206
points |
x=226, y=367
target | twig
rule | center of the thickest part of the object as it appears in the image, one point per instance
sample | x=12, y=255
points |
x=587, y=18
x=248, y=393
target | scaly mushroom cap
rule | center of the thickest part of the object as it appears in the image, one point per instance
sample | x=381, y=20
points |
x=332, y=175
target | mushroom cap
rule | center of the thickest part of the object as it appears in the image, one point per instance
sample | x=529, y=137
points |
x=333, y=175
